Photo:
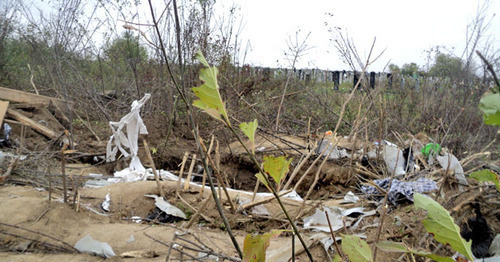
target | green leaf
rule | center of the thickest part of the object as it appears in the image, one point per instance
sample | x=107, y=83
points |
x=356, y=249
x=337, y=258
x=254, y=247
x=209, y=99
x=249, y=129
x=262, y=179
x=389, y=246
x=490, y=105
x=438, y=258
x=487, y=175
x=276, y=167
x=442, y=226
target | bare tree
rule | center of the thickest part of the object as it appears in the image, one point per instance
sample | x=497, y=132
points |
x=296, y=49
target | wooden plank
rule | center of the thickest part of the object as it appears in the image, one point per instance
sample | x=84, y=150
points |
x=59, y=113
x=26, y=106
x=25, y=97
x=3, y=109
x=33, y=124
x=51, y=119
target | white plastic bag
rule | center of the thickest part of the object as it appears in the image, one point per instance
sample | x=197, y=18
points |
x=454, y=165
x=133, y=125
x=394, y=159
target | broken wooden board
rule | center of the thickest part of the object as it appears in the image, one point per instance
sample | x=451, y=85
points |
x=51, y=134
x=25, y=97
x=3, y=109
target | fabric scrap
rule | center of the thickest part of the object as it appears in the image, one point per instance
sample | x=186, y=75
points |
x=401, y=188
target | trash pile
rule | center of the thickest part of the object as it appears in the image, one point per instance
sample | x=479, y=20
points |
x=372, y=174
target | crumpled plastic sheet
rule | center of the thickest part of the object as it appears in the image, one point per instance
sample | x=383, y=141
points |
x=167, y=207
x=332, y=153
x=6, y=133
x=454, y=165
x=398, y=188
x=318, y=221
x=88, y=245
x=260, y=210
x=394, y=159
x=350, y=198
x=327, y=240
x=133, y=125
x=106, y=203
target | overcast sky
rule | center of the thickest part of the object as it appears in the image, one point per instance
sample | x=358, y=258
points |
x=405, y=29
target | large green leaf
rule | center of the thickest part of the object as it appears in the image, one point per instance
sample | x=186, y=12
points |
x=249, y=129
x=254, y=247
x=389, y=246
x=209, y=99
x=356, y=249
x=487, y=175
x=276, y=167
x=442, y=226
x=490, y=105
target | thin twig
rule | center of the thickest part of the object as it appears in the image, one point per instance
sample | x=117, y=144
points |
x=333, y=236
x=155, y=172
x=40, y=233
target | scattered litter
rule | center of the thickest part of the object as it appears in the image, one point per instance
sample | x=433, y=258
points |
x=260, y=149
x=106, y=203
x=350, y=198
x=88, y=245
x=136, y=219
x=128, y=175
x=97, y=183
x=409, y=162
x=327, y=241
x=332, y=153
x=139, y=254
x=318, y=221
x=88, y=207
x=454, y=165
x=131, y=239
x=401, y=189
x=205, y=256
x=495, y=246
x=394, y=159
x=430, y=151
x=259, y=210
x=167, y=207
x=92, y=175
x=478, y=230
x=6, y=135
x=21, y=157
x=134, y=126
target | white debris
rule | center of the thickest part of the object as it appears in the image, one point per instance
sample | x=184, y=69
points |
x=495, y=246
x=394, y=159
x=259, y=210
x=106, y=203
x=136, y=219
x=167, y=207
x=454, y=165
x=350, y=198
x=133, y=125
x=131, y=239
x=331, y=152
x=337, y=215
x=88, y=245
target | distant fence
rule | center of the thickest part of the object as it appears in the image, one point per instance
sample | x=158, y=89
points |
x=371, y=79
